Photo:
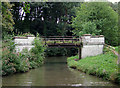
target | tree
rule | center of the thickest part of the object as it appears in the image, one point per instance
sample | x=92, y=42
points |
x=0, y=21
x=7, y=20
x=96, y=18
x=46, y=18
x=114, y=6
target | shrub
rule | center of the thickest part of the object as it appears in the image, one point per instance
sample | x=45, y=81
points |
x=38, y=51
x=8, y=58
x=8, y=65
x=13, y=62
x=56, y=51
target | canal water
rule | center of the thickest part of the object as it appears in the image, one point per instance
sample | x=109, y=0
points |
x=54, y=73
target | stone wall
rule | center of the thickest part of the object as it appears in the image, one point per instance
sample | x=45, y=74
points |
x=92, y=45
x=23, y=42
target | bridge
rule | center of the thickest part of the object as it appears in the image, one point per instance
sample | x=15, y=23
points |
x=87, y=44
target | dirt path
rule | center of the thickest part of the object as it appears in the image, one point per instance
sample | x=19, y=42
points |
x=116, y=53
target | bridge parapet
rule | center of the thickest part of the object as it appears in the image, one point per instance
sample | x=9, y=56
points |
x=23, y=42
x=92, y=45
x=92, y=40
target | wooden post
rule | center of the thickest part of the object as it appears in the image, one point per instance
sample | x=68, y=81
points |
x=45, y=41
x=54, y=41
x=79, y=53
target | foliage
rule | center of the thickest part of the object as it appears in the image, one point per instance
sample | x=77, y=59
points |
x=114, y=6
x=61, y=51
x=38, y=50
x=117, y=48
x=13, y=62
x=20, y=34
x=6, y=37
x=7, y=20
x=104, y=65
x=71, y=62
x=46, y=18
x=55, y=52
x=0, y=19
x=96, y=18
x=26, y=7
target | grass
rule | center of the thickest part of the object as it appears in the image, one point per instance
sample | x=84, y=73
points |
x=0, y=51
x=104, y=65
x=117, y=48
x=0, y=48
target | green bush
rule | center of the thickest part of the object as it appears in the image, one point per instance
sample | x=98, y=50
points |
x=13, y=62
x=38, y=51
x=117, y=48
x=8, y=65
x=22, y=62
x=8, y=57
x=56, y=51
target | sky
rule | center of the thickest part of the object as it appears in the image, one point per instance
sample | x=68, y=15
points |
x=108, y=0
x=114, y=0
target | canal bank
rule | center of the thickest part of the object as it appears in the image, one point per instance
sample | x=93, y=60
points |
x=103, y=66
x=54, y=72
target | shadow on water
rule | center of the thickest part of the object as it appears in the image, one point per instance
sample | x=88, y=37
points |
x=54, y=73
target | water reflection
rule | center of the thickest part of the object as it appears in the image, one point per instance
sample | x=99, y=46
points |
x=0, y=81
x=54, y=73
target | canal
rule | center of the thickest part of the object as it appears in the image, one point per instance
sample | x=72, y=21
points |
x=54, y=73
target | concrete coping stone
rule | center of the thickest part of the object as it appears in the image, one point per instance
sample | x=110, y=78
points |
x=97, y=36
x=23, y=37
x=20, y=37
x=87, y=35
x=30, y=36
x=101, y=35
x=20, y=44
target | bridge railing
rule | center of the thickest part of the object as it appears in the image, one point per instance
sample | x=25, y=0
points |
x=57, y=36
x=52, y=40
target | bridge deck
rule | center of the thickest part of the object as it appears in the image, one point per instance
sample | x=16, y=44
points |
x=64, y=45
x=60, y=41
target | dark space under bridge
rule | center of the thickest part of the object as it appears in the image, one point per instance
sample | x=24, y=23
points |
x=63, y=41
